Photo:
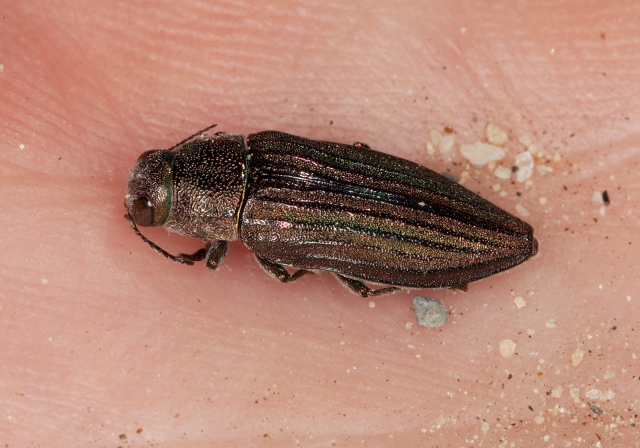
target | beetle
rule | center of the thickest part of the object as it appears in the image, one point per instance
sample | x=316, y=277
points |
x=364, y=215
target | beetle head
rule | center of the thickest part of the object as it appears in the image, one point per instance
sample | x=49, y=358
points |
x=150, y=193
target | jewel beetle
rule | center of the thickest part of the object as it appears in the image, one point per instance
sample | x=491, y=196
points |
x=303, y=204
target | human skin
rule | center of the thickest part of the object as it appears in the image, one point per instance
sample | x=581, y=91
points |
x=106, y=343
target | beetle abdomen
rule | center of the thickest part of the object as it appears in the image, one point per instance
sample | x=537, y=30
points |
x=368, y=215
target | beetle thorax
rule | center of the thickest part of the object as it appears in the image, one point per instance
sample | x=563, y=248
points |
x=208, y=185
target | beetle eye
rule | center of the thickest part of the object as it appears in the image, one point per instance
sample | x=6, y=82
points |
x=142, y=212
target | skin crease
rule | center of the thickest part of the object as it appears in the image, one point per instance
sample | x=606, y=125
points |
x=106, y=343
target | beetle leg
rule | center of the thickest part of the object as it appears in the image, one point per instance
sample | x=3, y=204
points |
x=196, y=256
x=461, y=287
x=362, y=145
x=279, y=272
x=358, y=287
x=214, y=252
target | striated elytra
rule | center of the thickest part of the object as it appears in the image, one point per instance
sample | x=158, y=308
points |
x=306, y=204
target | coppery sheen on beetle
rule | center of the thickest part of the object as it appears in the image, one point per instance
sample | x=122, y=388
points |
x=307, y=204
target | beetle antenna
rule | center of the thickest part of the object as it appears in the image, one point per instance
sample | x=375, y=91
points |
x=154, y=245
x=190, y=137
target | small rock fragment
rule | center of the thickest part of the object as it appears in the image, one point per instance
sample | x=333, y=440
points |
x=430, y=312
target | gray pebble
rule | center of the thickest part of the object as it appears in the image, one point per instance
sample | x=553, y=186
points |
x=430, y=312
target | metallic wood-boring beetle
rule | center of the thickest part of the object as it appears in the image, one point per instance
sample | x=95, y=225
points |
x=364, y=215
